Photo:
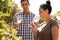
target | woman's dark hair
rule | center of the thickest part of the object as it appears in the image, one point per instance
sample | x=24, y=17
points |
x=24, y=0
x=47, y=6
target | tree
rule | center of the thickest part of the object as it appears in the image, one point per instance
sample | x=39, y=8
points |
x=7, y=32
x=14, y=10
x=57, y=14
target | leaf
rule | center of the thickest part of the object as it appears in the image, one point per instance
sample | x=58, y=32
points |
x=3, y=0
x=57, y=14
x=40, y=21
x=2, y=31
x=19, y=38
x=14, y=38
x=13, y=31
x=3, y=24
x=9, y=2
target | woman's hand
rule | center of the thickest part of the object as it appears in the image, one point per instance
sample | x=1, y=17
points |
x=34, y=26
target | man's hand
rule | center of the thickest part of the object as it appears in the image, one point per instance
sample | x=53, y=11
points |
x=16, y=25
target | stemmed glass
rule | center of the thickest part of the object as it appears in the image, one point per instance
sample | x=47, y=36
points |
x=19, y=19
x=36, y=19
x=40, y=25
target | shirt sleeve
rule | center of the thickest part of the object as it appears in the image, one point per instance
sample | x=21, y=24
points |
x=54, y=23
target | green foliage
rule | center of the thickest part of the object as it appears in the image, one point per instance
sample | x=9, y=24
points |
x=17, y=38
x=5, y=8
x=7, y=32
x=3, y=28
x=40, y=21
x=14, y=10
x=8, y=9
x=57, y=14
x=0, y=37
x=3, y=25
x=4, y=5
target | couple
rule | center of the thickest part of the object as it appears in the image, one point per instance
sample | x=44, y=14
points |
x=29, y=31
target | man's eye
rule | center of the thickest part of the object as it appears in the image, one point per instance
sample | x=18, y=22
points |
x=22, y=4
x=26, y=4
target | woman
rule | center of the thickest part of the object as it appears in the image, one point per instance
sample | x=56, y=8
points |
x=50, y=31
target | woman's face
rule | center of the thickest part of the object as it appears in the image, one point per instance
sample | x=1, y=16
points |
x=42, y=13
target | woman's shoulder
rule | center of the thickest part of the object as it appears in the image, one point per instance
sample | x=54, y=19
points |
x=53, y=23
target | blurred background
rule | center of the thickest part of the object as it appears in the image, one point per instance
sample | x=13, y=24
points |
x=8, y=8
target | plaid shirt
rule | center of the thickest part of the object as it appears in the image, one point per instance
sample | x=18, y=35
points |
x=25, y=30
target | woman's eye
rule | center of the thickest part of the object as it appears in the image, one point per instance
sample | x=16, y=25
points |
x=26, y=4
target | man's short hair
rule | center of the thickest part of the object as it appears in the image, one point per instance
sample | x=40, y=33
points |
x=24, y=0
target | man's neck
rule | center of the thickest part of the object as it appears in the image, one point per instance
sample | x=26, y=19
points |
x=26, y=12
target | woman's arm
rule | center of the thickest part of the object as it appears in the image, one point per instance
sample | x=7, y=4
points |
x=32, y=25
x=55, y=32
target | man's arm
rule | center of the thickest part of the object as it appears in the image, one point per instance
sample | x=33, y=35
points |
x=15, y=22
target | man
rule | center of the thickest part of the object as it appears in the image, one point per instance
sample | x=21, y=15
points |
x=23, y=28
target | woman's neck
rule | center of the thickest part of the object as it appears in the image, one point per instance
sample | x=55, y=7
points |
x=47, y=19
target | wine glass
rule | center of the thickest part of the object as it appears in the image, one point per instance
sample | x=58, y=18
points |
x=40, y=25
x=19, y=19
x=36, y=19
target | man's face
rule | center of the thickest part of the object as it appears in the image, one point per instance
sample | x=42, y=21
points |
x=25, y=5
